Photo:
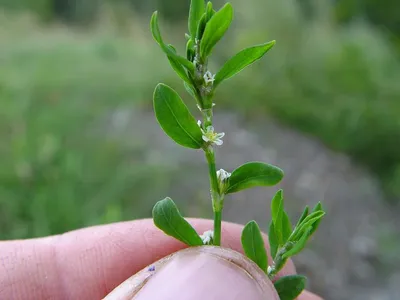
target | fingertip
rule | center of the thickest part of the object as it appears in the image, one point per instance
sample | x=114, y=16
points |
x=195, y=273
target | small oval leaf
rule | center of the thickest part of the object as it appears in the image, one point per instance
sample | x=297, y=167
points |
x=215, y=29
x=168, y=50
x=303, y=216
x=318, y=207
x=277, y=214
x=167, y=217
x=190, y=50
x=290, y=287
x=308, y=221
x=178, y=68
x=202, y=27
x=209, y=11
x=155, y=30
x=286, y=227
x=189, y=89
x=273, y=240
x=197, y=8
x=253, y=245
x=241, y=60
x=175, y=119
x=254, y=174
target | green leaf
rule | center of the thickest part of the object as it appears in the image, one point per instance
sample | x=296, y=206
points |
x=318, y=207
x=273, y=240
x=167, y=217
x=290, y=287
x=209, y=11
x=202, y=27
x=155, y=29
x=172, y=48
x=176, y=65
x=215, y=29
x=241, y=60
x=189, y=89
x=307, y=222
x=168, y=50
x=299, y=245
x=253, y=245
x=277, y=215
x=253, y=174
x=286, y=227
x=197, y=8
x=190, y=52
x=175, y=119
x=277, y=207
x=303, y=216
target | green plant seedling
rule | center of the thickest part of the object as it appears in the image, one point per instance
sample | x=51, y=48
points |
x=206, y=28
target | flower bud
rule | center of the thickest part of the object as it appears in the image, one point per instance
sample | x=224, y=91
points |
x=223, y=178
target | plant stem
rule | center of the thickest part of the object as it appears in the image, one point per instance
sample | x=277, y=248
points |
x=279, y=263
x=217, y=228
x=217, y=202
x=212, y=170
x=216, y=198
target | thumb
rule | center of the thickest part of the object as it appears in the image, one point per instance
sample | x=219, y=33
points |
x=198, y=273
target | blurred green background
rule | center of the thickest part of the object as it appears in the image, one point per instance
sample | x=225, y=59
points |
x=72, y=74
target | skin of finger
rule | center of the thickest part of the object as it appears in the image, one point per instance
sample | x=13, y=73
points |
x=194, y=273
x=90, y=262
x=142, y=279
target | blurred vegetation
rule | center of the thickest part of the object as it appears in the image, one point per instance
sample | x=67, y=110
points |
x=63, y=166
x=386, y=16
x=339, y=83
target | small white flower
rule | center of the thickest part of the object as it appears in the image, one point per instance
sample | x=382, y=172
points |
x=199, y=123
x=269, y=269
x=207, y=237
x=212, y=137
x=223, y=175
x=209, y=78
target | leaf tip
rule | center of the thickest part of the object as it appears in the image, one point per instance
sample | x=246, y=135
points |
x=318, y=206
x=278, y=197
x=229, y=6
x=154, y=17
x=154, y=210
x=251, y=223
x=157, y=89
x=279, y=173
x=302, y=282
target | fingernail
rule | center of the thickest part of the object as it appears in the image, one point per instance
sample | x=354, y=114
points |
x=202, y=273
